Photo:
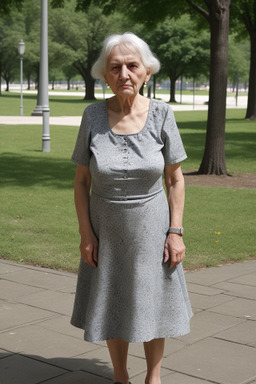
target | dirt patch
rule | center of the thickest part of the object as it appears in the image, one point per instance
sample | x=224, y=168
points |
x=246, y=180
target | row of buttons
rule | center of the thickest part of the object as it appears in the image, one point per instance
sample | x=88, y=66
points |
x=125, y=163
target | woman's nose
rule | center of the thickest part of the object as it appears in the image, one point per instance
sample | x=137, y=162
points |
x=124, y=73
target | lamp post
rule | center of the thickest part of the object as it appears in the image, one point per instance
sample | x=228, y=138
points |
x=43, y=76
x=21, y=49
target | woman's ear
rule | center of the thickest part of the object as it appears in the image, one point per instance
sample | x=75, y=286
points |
x=148, y=75
x=105, y=79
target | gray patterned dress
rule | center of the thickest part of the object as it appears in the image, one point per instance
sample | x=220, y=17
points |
x=132, y=294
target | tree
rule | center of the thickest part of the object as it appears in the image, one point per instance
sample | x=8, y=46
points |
x=181, y=49
x=20, y=24
x=244, y=15
x=31, y=15
x=10, y=32
x=69, y=72
x=239, y=61
x=78, y=38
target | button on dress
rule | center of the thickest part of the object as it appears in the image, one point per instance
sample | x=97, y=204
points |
x=131, y=295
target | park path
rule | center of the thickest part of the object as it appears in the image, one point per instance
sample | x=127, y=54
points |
x=38, y=345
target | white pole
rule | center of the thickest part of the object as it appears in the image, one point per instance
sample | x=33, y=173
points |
x=21, y=85
x=43, y=79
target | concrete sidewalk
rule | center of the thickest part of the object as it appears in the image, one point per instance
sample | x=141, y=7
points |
x=38, y=345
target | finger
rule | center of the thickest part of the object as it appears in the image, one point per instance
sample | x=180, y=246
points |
x=174, y=260
x=95, y=254
x=166, y=254
x=87, y=255
x=89, y=260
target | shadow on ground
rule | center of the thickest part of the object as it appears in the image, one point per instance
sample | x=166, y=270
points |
x=33, y=170
x=31, y=369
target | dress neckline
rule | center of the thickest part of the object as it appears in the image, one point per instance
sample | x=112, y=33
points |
x=128, y=134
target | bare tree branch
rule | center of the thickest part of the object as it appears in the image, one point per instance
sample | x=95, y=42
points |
x=199, y=9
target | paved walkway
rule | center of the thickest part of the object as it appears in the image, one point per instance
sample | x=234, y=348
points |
x=38, y=345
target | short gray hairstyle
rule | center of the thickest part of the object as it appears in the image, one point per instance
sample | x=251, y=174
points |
x=130, y=40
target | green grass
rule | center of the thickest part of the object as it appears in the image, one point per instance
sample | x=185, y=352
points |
x=239, y=142
x=59, y=105
x=220, y=224
x=38, y=217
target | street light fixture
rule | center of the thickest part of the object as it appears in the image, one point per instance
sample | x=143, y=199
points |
x=21, y=49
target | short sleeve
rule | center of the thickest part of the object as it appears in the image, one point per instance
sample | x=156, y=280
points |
x=81, y=154
x=173, y=149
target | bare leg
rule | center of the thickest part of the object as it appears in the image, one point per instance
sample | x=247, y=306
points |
x=118, y=350
x=154, y=351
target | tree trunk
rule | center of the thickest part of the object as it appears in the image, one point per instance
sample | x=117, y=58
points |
x=0, y=85
x=7, y=89
x=89, y=87
x=251, y=104
x=28, y=77
x=172, y=90
x=154, y=87
x=214, y=161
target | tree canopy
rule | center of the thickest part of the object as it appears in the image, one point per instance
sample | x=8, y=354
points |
x=180, y=49
x=7, y=5
x=243, y=23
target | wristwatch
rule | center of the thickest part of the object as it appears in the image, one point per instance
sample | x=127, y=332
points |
x=179, y=231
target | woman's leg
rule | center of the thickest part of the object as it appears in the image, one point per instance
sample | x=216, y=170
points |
x=118, y=350
x=154, y=351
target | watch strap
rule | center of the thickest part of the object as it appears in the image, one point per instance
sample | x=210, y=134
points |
x=178, y=231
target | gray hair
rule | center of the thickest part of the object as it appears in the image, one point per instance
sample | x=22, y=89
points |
x=130, y=40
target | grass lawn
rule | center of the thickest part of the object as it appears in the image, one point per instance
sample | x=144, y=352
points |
x=59, y=105
x=239, y=143
x=38, y=217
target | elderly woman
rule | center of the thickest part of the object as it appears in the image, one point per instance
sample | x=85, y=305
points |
x=131, y=285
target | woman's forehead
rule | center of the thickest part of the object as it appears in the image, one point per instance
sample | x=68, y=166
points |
x=124, y=50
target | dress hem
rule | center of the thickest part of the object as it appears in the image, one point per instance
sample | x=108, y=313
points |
x=132, y=340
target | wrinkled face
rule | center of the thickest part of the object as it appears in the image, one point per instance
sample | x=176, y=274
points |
x=125, y=71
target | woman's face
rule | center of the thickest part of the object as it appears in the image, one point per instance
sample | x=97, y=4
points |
x=125, y=72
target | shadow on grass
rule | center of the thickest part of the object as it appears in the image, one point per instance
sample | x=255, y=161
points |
x=71, y=100
x=194, y=125
x=238, y=144
x=34, y=170
x=17, y=96
x=65, y=99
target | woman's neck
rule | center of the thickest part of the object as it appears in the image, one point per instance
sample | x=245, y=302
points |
x=125, y=106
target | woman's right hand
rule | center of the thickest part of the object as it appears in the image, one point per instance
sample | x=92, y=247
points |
x=89, y=249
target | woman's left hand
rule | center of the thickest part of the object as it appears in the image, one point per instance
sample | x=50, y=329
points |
x=174, y=249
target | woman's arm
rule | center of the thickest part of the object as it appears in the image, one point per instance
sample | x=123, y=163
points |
x=174, y=248
x=89, y=242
